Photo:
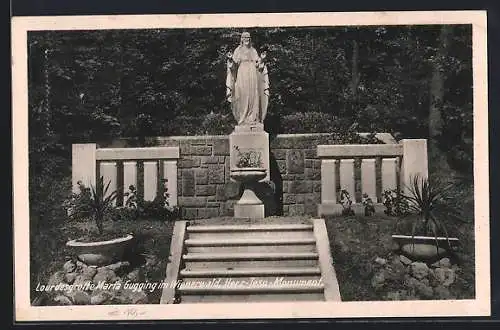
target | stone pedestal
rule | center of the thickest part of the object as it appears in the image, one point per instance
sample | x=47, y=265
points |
x=249, y=138
x=249, y=205
x=249, y=211
x=246, y=138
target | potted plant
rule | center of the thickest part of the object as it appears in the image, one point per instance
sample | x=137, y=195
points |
x=96, y=204
x=423, y=231
x=249, y=170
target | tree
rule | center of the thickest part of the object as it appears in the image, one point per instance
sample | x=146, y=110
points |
x=109, y=83
x=437, y=82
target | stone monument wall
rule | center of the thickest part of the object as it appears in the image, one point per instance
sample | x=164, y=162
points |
x=206, y=190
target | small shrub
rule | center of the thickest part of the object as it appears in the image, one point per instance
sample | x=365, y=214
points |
x=183, y=125
x=395, y=204
x=217, y=124
x=156, y=209
x=125, y=214
x=135, y=208
x=310, y=122
x=77, y=205
x=47, y=196
x=159, y=208
x=343, y=131
x=211, y=124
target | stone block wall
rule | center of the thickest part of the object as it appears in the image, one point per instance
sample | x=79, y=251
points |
x=204, y=186
x=206, y=190
x=299, y=172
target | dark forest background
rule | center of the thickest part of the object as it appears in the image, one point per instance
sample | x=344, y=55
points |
x=93, y=86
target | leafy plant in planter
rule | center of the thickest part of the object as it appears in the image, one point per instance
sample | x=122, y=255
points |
x=428, y=203
x=96, y=204
x=92, y=203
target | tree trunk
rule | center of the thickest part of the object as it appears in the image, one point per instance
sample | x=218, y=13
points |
x=355, y=77
x=438, y=157
x=437, y=83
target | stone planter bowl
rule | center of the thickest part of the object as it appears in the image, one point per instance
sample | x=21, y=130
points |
x=249, y=177
x=248, y=174
x=100, y=253
x=424, y=247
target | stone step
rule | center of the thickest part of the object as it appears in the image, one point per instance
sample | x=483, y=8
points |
x=244, y=242
x=237, y=298
x=195, y=288
x=288, y=271
x=252, y=262
x=295, y=234
x=260, y=283
x=246, y=228
x=249, y=256
x=230, y=265
x=230, y=220
x=251, y=249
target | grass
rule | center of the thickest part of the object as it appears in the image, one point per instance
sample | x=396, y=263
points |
x=354, y=241
x=49, y=252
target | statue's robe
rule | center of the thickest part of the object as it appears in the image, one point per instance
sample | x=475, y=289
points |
x=247, y=86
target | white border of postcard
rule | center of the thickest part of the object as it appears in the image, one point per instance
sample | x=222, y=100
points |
x=480, y=306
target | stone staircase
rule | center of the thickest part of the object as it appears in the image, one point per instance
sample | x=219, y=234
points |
x=250, y=263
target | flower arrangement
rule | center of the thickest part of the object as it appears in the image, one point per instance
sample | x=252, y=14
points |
x=248, y=158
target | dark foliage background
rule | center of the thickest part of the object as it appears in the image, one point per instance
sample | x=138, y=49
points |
x=92, y=86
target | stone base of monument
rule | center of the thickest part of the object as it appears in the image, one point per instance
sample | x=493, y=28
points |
x=249, y=205
x=250, y=138
x=249, y=211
